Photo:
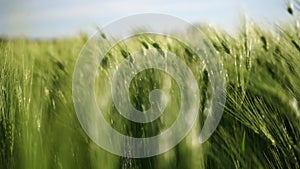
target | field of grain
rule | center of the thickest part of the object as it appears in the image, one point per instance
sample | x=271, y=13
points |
x=260, y=127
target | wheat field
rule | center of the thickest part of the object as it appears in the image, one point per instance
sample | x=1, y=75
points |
x=260, y=127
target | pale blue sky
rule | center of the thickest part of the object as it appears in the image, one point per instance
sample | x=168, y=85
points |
x=56, y=18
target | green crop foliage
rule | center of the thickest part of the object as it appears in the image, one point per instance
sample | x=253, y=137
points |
x=260, y=127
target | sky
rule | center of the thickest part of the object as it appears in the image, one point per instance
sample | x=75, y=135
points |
x=61, y=18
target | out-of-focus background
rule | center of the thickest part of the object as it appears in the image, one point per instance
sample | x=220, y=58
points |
x=61, y=18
